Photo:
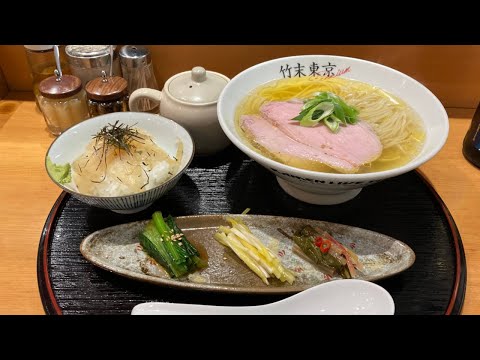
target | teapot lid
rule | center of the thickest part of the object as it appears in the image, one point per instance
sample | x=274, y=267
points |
x=197, y=86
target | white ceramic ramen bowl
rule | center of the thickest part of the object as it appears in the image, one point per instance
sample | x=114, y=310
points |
x=329, y=188
x=165, y=132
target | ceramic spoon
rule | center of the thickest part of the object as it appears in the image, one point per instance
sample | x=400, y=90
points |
x=339, y=297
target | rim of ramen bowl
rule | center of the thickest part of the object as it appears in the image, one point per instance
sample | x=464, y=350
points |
x=414, y=163
x=171, y=180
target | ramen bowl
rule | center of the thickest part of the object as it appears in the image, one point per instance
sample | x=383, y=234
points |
x=164, y=132
x=325, y=188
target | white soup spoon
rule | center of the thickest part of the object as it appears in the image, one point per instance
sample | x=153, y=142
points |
x=338, y=297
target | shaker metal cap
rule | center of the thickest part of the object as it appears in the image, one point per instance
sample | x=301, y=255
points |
x=55, y=87
x=198, y=86
x=106, y=88
x=39, y=47
x=88, y=56
x=133, y=56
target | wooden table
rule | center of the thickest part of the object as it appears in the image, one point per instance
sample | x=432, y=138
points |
x=27, y=195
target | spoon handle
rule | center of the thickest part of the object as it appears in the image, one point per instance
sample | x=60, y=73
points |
x=56, y=53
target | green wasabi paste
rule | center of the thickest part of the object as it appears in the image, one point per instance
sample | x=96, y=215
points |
x=61, y=173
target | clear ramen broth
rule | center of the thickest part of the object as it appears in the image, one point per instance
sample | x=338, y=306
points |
x=396, y=124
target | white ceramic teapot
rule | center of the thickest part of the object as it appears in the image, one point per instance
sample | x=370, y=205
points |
x=190, y=99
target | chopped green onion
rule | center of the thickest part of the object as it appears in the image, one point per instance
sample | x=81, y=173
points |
x=330, y=109
x=317, y=113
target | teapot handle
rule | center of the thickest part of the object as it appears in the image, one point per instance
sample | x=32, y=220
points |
x=137, y=95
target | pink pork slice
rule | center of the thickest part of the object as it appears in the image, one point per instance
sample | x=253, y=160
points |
x=281, y=146
x=357, y=144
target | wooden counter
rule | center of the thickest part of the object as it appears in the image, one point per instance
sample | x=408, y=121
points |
x=27, y=195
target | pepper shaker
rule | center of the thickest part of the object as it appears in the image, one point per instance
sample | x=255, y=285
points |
x=137, y=69
x=107, y=94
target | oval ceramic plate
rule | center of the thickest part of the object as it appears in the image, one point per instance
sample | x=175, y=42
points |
x=117, y=249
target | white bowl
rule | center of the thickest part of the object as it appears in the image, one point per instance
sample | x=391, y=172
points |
x=328, y=188
x=165, y=132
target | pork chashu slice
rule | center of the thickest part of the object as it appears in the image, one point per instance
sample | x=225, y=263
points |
x=356, y=144
x=279, y=146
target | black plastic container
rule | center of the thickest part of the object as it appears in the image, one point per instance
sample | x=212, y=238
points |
x=471, y=143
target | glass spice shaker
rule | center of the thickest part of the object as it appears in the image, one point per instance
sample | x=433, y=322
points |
x=137, y=69
x=107, y=94
x=63, y=102
x=42, y=63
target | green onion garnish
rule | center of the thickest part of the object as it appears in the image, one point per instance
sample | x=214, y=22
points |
x=330, y=109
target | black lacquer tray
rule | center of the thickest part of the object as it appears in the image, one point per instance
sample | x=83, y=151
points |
x=405, y=207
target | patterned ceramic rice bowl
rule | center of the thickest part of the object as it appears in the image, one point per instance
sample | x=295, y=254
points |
x=166, y=133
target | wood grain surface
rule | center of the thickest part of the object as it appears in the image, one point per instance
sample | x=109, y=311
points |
x=27, y=195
